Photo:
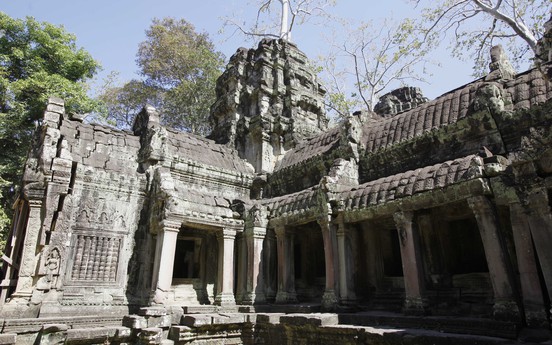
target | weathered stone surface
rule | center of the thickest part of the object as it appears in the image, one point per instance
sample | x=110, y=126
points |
x=152, y=311
x=135, y=322
x=150, y=336
x=197, y=320
x=8, y=339
x=399, y=100
x=310, y=319
x=160, y=321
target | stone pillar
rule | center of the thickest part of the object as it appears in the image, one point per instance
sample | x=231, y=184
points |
x=430, y=247
x=329, y=299
x=29, y=255
x=533, y=301
x=254, y=238
x=347, y=294
x=411, y=263
x=505, y=307
x=165, y=248
x=242, y=257
x=270, y=267
x=286, y=273
x=225, y=273
x=540, y=223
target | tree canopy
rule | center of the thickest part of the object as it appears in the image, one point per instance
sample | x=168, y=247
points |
x=38, y=60
x=180, y=68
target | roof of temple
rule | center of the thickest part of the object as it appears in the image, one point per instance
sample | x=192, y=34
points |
x=202, y=150
x=408, y=183
x=294, y=203
x=312, y=147
x=528, y=89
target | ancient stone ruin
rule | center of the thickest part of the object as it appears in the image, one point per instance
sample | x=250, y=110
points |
x=428, y=222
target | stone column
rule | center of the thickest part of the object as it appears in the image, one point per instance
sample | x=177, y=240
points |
x=429, y=246
x=329, y=299
x=28, y=265
x=225, y=273
x=347, y=294
x=286, y=273
x=411, y=263
x=165, y=248
x=242, y=257
x=270, y=267
x=505, y=307
x=540, y=223
x=254, y=238
x=533, y=301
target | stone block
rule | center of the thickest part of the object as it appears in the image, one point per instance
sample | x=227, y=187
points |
x=310, y=319
x=7, y=339
x=122, y=333
x=160, y=321
x=176, y=314
x=150, y=336
x=228, y=318
x=54, y=327
x=87, y=335
x=181, y=333
x=152, y=311
x=56, y=104
x=135, y=322
x=273, y=318
x=50, y=116
x=196, y=320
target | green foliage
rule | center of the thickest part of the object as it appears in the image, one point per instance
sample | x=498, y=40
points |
x=37, y=61
x=180, y=68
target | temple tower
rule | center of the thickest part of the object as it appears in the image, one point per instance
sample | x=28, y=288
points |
x=268, y=100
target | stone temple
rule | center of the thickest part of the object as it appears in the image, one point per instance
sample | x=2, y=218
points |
x=425, y=222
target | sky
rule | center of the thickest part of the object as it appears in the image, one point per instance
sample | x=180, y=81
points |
x=111, y=30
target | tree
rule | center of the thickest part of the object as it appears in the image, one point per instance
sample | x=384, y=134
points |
x=291, y=13
x=374, y=57
x=37, y=61
x=184, y=66
x=477, y=25
x=180, y=68
x=122, y=102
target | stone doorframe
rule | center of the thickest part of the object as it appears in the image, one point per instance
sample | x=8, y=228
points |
x=165, y=250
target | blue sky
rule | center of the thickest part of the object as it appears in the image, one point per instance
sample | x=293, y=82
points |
x=112, y=29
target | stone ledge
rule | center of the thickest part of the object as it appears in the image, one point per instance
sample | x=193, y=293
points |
x=152, y=311
x=310, y=319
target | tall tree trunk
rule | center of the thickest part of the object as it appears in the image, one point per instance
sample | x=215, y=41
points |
x=284, y=26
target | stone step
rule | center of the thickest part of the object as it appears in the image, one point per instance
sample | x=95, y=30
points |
x=473, y=326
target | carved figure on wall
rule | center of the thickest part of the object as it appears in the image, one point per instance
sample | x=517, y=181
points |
x=52, y=267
